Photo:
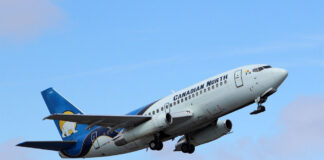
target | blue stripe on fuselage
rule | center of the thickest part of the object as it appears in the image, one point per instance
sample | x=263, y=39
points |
x=140, y=111
x=84, y=145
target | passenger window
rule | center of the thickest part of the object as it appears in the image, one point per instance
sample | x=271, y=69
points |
x=157, y=110
x=225, y=81
x=217, y=85
x=150, y=113
x=193, y=95
x=181, y=100
x=170, y=105
x=167, y=106
x=153, y=112
x=221, y=83
x=174, y=103
x=200, y=92
x=197, y=93
x=178, y=101
x=185, y=98
x=208, y=88
x=205, y=90
x=161, y=108
x=189, y=96
x=213, y=87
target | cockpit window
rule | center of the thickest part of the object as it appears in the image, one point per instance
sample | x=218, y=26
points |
x=261, y=68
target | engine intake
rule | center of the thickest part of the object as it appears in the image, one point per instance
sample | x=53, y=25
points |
x=228, y=125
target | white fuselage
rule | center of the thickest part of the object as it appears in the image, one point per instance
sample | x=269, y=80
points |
x=220, y=95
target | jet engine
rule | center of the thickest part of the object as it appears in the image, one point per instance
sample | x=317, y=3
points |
x=156, y=124
x=207, y=134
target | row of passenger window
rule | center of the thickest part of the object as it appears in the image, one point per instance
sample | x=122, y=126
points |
x=187, y=97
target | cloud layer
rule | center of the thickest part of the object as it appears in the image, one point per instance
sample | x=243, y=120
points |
x=300, y=137
x=9, y=151
x=21, y=19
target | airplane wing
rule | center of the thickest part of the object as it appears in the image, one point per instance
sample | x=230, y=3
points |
x=125, y=121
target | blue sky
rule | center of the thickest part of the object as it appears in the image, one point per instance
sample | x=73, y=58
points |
x=110, y=57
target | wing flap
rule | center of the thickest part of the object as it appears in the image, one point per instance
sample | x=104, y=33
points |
x=48, y=145
x=180, y=117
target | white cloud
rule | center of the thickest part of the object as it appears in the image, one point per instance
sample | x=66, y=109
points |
x=9, y=151
x=23, y=19
x=301, y=136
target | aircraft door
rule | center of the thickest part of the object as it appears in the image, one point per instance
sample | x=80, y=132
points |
x=167, y=108
x=238, y=78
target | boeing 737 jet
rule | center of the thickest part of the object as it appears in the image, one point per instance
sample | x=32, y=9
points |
x=193, y=113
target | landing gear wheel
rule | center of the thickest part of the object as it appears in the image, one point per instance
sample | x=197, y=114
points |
x=156, y=145
x=187, y=148
x=261, y=108
x=152, y=145
x=191, y=149
x=159, y=146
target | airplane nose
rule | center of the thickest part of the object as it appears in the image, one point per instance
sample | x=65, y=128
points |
x=284, y=73
x=280, y=75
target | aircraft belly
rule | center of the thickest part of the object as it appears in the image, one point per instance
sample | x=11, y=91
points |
x=98, y=146
x=108, y=147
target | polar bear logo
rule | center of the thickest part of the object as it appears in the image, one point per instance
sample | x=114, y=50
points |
x=67, y=128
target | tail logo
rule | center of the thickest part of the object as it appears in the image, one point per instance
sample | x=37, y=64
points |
x=67, y=128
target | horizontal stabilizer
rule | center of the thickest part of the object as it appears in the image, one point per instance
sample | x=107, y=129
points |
x=48, y=145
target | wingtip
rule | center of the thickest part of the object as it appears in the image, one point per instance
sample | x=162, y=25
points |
x=47, y=117
x=20, y=144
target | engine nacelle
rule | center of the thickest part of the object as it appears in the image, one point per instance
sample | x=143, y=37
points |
x=207, y=134
x=156, y=124
x=211, y=133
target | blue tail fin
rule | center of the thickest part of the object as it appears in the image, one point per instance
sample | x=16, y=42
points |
x=58, y=104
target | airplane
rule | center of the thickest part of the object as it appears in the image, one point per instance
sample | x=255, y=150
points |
x=192, y=113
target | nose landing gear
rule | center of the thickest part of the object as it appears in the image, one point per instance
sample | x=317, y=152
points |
x=260, y=108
